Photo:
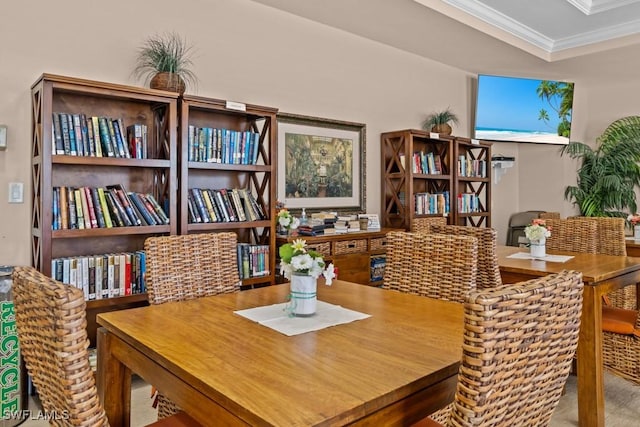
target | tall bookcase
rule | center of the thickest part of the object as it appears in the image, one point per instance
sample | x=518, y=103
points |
x=403, y=175
x=473, y=180
x=156, y=175
x=254, y=172
x=409, y=178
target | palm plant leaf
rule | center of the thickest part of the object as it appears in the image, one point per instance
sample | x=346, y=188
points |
x=609, y=174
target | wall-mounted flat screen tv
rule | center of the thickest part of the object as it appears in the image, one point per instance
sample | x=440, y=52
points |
x=517, y=109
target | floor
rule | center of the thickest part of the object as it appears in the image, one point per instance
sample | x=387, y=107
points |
x=622, y=405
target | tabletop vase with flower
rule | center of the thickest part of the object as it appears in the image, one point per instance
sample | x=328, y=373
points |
x=537, y=233
x=303, y=267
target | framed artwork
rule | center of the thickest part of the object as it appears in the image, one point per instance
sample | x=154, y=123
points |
x=321, y=163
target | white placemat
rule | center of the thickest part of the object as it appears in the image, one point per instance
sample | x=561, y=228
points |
x=276, y=317
x=550, y=258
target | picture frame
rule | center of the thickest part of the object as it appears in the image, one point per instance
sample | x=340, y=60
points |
x=321, y=164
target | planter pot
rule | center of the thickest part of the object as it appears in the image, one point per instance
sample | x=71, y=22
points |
x=538, y=248
x=443, y=129
x=303, y=295
x=168, y=81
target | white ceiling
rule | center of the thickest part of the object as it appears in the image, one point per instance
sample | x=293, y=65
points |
x=550, y=25
x=561, y=39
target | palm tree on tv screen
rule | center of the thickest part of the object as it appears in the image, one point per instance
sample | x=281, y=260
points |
x=559, y=96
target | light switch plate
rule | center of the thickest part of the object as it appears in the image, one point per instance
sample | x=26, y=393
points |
x=3, y=137
x=16, y=190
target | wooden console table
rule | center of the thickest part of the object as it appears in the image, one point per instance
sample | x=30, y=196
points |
x=350, y=252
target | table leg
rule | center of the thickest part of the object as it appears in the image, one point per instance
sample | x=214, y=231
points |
x=114, y=382
x=590, y=364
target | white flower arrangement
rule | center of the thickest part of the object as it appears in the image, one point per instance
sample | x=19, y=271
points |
x=295, y=258
x=287, y=221
x=537, y=230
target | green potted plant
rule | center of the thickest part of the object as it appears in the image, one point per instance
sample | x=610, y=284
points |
x=440, y=121
x=608, y=174
x=164, y=61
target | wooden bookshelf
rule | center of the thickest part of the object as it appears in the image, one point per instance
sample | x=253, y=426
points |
x=211, y=172
x=156, y=175
x=403, y=179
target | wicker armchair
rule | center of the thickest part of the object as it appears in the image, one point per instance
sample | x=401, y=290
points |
x=187, y=267
x=424, y=224
x=573, y=235
x=432, y=265
x=519, y=342
x=51, y=322
x=488, y=270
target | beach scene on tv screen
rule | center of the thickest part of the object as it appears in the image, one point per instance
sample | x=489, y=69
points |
x=523, y=110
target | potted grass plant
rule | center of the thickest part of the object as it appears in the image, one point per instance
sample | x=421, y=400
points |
x=440, y=121
x=164, y=61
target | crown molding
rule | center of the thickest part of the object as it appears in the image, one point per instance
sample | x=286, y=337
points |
x=589, y=7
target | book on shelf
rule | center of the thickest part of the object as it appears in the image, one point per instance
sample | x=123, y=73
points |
x=81, y=143
x=97, y=207
x=93, y=219
x=72, y=135
x=91, y=291
x=114, y=210
x=57, y=135
x=192, y=210
x=126, y=203
x=71, y=201
x=106, y=211
x=158, y=209
x=108, y=146
x=63, y=208
x=151, y=208
x=141, y=209
x=200, y=204
x=221, y=205
x=228, y=205
x=118, y=208
x=209, y=205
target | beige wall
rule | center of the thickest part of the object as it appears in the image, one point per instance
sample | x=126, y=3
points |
x=251, y=53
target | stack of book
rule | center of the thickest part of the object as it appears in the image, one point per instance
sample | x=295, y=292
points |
x=104, y=207
x=223, y=205
x=75, y=134
x=103, y=276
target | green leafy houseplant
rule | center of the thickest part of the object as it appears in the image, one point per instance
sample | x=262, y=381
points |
x=440, y=121
x=164, y=61
x=608, y=175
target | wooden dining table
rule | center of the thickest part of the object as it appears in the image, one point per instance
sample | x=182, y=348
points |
x=601, y=275
x=392, y=368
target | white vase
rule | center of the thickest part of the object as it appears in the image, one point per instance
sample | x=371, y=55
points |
x=303, y=295
x=636, y=232
x=538, y=248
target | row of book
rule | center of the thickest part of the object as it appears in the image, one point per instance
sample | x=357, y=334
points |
x=104, y=207
x=79, y=135
x=427, y=163
x=103, y=276
x=253, y=260
x=219, y=145
x=468, y=203
x=472, y=168
x=432, y=203
x=223, y=205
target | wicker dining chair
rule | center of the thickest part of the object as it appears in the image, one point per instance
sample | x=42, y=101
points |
x=572, y=235
x=424, y=224
x=549, y=215
x=488, y=275
x=612, y=241
x=52, y=333
x=621, y=342
x=186, y=267
x=431, y=265
x=519, y=341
